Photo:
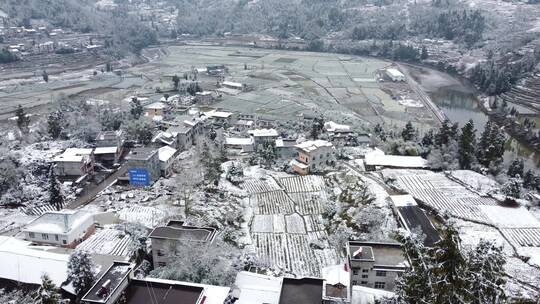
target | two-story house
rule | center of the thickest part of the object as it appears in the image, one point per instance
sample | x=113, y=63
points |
x=167, y=239
x=375, y=264
x=144, y=167
x=65, y=228
x=313, y=155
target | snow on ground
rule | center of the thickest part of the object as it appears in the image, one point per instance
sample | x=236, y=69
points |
x=475, y=181
x=510, y=217
x=12, y=219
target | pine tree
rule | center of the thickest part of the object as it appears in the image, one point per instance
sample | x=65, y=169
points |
x=424, y=55
x=443, y=135
x=56, y=199
x=176, y=81
x=486, y=274
x=529, y=180
x=414, y=286
x=136, y=109
x=512, y=188
x=516, y=168
x=23, y=120
x=491, y=145
x=47, y=293
x=449, y=268
x=235, y=174
x=317, y=127
x=80, y=272
x=409, y=132
x=55, y=124
x=467, y=145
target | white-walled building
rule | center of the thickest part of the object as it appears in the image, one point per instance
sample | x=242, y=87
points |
x=395, y=74
x=65, y=228
x=313, y=155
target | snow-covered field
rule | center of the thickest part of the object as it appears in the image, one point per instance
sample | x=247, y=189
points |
x=460, y=195
x=108, y=241
x=286, y=220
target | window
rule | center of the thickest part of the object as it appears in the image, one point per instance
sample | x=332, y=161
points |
x=31, y=235
x=160, y=252
x=363, y=283
x=365, y=270
x=380, y=273
x=44, y=236
x=364, y=276
x=355, y=272
x=56, y=237
x=64, y=242
x=379, y=285
x=354, y=282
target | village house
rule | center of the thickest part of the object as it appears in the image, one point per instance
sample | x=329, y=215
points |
x=243, y=145
x=110, y=139
x=118, y=284
x=262, y=137
x=156, y=111
x=395, y=75
x=143, y=166
x=286, y=148
x=312, y=156
x=65, y=228
x=336, y=287
x=216, y=70
x=74, y=162
x=375, y=264
x=377, y=159
x=220, y=118
x=165, y=239
x=204, y=97
x=166, y=158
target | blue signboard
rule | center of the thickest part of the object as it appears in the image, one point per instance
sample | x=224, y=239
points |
x=139, y=177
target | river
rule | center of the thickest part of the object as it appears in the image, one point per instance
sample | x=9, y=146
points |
x=459, y=102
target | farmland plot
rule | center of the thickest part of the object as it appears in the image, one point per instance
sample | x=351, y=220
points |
x=259, y=186
x=108, y=242
x=295, y=223
x=525, y=237
x=272, y=203
x=269, y=223
x=308, y=202
x=308, y=183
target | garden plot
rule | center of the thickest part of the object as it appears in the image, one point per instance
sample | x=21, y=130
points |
x=295, y=224
x=253, y=186
x=108, y=242
x=272, y=202
x=308, y=202
x=445, y=195
x=523, y=237
x=268, y=223
x=147, y=216
x=314, y=222
x=308, y=183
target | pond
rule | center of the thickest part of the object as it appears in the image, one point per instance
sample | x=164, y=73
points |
x=457, y=99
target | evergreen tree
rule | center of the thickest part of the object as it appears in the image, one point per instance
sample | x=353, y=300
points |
x=512, y=188
x=443, y=135
x=267, y=154
x=55, y=124
x=467, y=145
x=136, y=109
x=529, y=180
x=235, y=174
x=516, y=168
x=23, y=120
x=486, y=274
x=80, y=272
x=429, y=139
x=491, y=145
x=414, y=286
x=449, y=268
x=56, y=199
x=317, y=127
x=45, y=76
x=47, y=293
x=176, y=81
x=424, y=55
x=409, y=132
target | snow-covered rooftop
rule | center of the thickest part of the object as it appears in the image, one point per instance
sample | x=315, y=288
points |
x=394, y=72
x=213, y=294
x=218, y=114
x=165, y=153
x=366, y=295
x=331, y=126
x=156, y=105
x=73, y=155
x=238, y=141
x=396, y=161
x=256, y=288
x=232, y=84
x=58, y=222
x=336, y=274
x=105, y=150
x=263, y=132
x=312, y=145
x=22, y=264
x=403, y=200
